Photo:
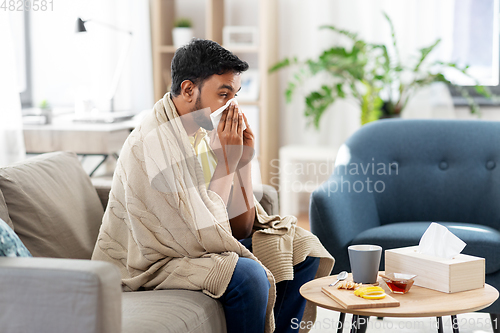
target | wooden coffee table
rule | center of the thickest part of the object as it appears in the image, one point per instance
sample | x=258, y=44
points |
x=418, y=302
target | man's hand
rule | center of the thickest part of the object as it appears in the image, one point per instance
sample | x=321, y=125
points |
x=228, y=144
x=248, y=144
x=234, y=150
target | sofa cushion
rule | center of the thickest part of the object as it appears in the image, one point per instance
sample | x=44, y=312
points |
x=53, y=206
x=482, y=241
x=4, y=213
x=171, y=311
x=10, y=244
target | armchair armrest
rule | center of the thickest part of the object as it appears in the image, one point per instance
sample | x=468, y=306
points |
x=59, y=295
x=337, y=215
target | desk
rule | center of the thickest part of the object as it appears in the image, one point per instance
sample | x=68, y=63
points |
x=418, y=302
x=81, y=138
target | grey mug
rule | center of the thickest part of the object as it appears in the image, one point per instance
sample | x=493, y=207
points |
x=365, y=261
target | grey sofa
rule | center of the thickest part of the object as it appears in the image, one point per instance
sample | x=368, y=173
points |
x=55, y=209
x=446, y=171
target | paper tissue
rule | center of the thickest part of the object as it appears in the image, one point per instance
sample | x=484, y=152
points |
x=440, y=242
x=217, y=114
x=437, y=262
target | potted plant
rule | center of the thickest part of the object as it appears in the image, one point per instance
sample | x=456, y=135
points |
x=182, y=32
x=46, y=111
x=366, y=72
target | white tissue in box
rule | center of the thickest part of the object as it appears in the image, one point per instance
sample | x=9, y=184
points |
x=440, y=242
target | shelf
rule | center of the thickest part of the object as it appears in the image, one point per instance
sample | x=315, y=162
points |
x=257, y=103
x=243, y=49
x=234, y=49
x=167, y=49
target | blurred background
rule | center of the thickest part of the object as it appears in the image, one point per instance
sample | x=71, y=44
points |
x=57, y=84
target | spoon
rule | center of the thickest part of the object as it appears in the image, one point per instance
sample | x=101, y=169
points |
x=342, y=276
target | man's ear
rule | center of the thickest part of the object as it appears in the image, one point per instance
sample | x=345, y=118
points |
x=188, y=90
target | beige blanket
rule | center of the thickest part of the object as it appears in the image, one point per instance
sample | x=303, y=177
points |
x=165, y=230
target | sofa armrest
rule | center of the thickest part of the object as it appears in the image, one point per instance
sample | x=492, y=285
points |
x=103, y=187
x=337, y=215
x=268, y=198
x=59, y=295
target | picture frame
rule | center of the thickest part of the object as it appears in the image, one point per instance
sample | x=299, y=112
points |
x=238, y=36
x=249, y=86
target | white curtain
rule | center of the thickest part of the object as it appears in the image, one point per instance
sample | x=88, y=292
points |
x=11, y=129
x=418, y=23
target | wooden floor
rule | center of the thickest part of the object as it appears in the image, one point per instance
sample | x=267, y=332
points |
x=303, y=220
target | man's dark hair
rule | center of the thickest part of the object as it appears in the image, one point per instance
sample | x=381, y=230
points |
x=199, y=60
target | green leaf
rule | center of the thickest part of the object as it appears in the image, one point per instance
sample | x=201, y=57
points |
x=183, y=22
x=282, y=64
x=351, y=35
x=358, y=47
x=393, y=35
x=474, y=107
x=334, y=51
x=386, y=65
x=340, y=91
x=317, y=102
x=424, y=52
x=483, y=91
x=289, y=92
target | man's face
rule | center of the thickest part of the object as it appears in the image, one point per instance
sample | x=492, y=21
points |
x=215, y=92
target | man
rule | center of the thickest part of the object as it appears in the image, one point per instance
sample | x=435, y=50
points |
x=166, y=229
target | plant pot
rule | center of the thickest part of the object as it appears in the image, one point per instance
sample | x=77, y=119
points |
x=182, y=36
x=388, y=111
x=392, y=116
x=47, y=113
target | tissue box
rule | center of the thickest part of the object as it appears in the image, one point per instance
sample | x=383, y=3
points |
x=462, y=272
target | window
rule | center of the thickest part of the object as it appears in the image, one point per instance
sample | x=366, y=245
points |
x=476, y=43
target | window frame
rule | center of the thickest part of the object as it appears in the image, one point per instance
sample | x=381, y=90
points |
x=27, y=95
x=458, y=100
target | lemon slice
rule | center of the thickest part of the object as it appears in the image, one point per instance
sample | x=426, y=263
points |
x=375, y=296
x=370, y=292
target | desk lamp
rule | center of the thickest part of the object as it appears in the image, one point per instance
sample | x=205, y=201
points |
x=80, y=27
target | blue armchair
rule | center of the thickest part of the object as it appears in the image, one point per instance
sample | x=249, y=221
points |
x=394, y=177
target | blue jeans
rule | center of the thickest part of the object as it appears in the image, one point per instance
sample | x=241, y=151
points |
x=246, y=296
